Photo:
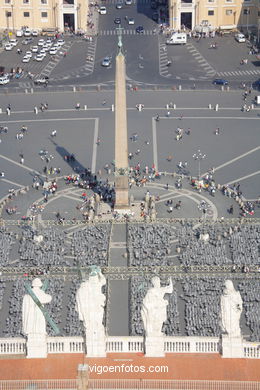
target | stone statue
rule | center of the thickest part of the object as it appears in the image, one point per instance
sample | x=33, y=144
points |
x=154, y=309
x=90, y=303
x=231, y=309
x=33, y=319
x=34, y=324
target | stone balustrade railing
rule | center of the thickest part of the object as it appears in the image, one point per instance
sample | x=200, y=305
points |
x=124, y=344
x=191, y=344
x=251, y=350
x=12, y=346
x=128, y=344
x=65, y=345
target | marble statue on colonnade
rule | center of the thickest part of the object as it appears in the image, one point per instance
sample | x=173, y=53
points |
x=90, y=304
x=34, y=323
x=154, y=314
x=231, y=310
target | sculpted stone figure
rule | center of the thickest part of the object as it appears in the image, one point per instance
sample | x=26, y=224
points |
x=154, y=309
x=34, y=322
x=90, y=303
x=231, y=309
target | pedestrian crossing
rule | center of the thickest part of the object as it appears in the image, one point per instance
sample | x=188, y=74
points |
x=163, y=60
x=240, y=73
x=209, y=70
x=126, y=32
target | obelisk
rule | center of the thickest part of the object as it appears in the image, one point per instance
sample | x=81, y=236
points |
x=121, y=149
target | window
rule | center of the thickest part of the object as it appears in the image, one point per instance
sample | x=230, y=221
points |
x=210, y=12
x=43, y=1
x=246, y=11
x=229, y=11
x=25, y=1
x=229, y=1
x=211, y=1
x=7, y=1
x=8, y=14
x=26, y=14
x=44, y=14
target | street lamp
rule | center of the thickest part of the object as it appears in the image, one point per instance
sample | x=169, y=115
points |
x=199, y=157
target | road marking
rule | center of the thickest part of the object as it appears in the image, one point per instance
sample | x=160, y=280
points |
x=235, y=159
x=155, y=153
x=242, y=178
x=94, y=153
x=20, y=165
x=12, y=182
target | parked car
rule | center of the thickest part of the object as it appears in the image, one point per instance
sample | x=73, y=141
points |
x=128, y=2
x=131, y=21
x=106, y=62
x=35, y=33
x=19, y=33
x=39, y=57
x=8, y=47
x=41, y=80
x=117, y=21
x=60, y=42
x=41, y=42
x=119, y=5
x=34, y=49
x=220, y=82
x=4, y=80
x=240, y=38
x=13, y=41
x=53, y=51
x=102, y=10
x=28, y=53
x=26, y=59
x=27, y=33
x=27, y=41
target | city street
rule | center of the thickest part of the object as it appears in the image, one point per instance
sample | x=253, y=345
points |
x=146, y=54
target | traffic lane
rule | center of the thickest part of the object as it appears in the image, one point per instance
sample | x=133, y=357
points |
x=105, y=47
x=106, y=22
x=142, y=61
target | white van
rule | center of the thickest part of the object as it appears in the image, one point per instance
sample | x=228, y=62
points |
x=177, y=39
x=19, y=33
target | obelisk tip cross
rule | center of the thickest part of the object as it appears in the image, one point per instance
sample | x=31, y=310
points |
x=120, y=42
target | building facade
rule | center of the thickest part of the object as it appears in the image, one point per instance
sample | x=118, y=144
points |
x=223, y=14
x=42, y=14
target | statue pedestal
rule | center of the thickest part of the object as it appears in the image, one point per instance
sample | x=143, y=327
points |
x=36, y=346
x=154, y=346
x=96, y=346
x=232, y=347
